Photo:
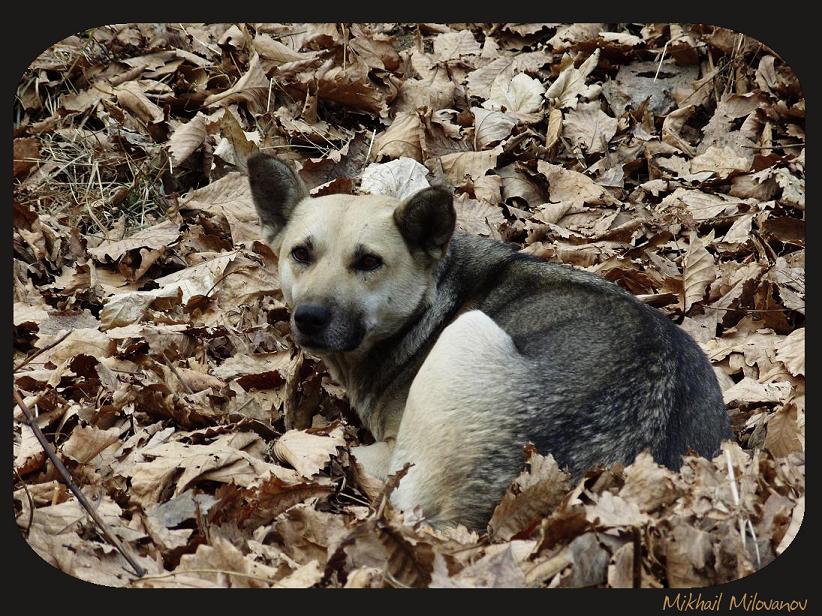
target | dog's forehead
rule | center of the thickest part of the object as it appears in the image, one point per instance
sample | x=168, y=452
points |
x=340, y=216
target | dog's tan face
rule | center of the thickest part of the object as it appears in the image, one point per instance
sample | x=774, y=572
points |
x=353, y=269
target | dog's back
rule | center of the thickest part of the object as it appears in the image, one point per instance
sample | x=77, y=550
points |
x=610, y=376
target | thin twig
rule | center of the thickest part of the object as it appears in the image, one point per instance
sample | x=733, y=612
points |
x=170, y=364
x=755, y=542
x=394, y=581
x=160, y=576
x=735, y=494
x=64, y=472
x=775, y=146
x=31, y=503
x=637, y=564
x=43, y=350
x=748, y=310
x=370, y=144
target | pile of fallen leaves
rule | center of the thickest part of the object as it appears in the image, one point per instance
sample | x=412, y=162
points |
x=152, y=342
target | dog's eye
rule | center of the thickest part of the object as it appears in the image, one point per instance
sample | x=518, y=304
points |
x=301, y=254
x=367, y=263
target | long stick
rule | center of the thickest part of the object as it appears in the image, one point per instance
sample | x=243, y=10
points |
x=51, y=453
x=44, y=349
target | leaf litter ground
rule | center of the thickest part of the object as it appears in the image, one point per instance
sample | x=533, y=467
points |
x=152, y=341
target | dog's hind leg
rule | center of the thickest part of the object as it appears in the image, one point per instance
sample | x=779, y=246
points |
x=459, y=426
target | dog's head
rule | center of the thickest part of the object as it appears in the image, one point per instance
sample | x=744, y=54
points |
x=353, y=269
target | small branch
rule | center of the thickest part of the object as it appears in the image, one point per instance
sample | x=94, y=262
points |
x=31, y=502
x=64, y=472
x=370, y=145
x=171, y=367
x=43, y=350
x=748, y=310
x=250, y=576
x=775, y=146
x=637, y=564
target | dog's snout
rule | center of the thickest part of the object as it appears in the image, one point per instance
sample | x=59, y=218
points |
x=312, y=318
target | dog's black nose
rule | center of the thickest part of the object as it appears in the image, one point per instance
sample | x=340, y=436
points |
x=312, y=318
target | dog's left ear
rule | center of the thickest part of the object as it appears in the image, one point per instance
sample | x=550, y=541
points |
x=276, y=189
x=427, y=219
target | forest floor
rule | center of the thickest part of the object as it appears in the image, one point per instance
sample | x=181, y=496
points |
x=152, y=341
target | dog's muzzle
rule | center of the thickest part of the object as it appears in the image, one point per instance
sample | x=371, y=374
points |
x=327, y=328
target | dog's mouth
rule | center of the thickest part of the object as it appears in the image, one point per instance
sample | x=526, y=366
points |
x=332, y=341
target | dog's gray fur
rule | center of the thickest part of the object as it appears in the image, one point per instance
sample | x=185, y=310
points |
x=459, y=349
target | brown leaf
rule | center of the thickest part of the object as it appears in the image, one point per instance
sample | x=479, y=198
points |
x=722, y=161
x=83, y=341
x=124, y=309
x=791, y=352
x=402, y=139
x=230, y=567
x=28, y=454
x=156, y=236
x=532, y=495
x=308, y=453
x=589, y=127
x=569, y=85
x=688, y=555
x=572, y=187
x=637, y=81
x=648, y=484
x=132, y=97
x=699, y=271
x=350, y=86
x=501, y=70
x=468, y=164
x=498, y=569
x=749, y=391
x=554, y=129
x=409, y=560
x=610, y=511
x=521, y=97
x=252, y=89
x=589, y=561
x=491, y=127
x=26, y=155
x=86, y=442
x=784, y=436
x=187, y=138
x=477, y=218
x=229, y=197
x=454, y=45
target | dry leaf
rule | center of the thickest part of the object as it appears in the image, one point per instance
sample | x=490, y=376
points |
x=308, y=453
x=533, y=494
x=157, y=236
x=589, y=127
x=792, y=352
x=187, y=138
x=698, y=272
x=252, y=89
x=399, y=178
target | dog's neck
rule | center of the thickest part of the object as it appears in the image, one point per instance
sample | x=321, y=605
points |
x=373, y=378
x=377, y=379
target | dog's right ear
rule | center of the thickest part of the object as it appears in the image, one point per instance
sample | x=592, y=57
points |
x=276, y=189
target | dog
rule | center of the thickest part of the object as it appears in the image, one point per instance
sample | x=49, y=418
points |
x=457, y=350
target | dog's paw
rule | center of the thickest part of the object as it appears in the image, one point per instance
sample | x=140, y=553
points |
x=373, y=459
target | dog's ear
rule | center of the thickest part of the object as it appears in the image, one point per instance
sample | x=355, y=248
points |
x=276, y=189
x=426, y=220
